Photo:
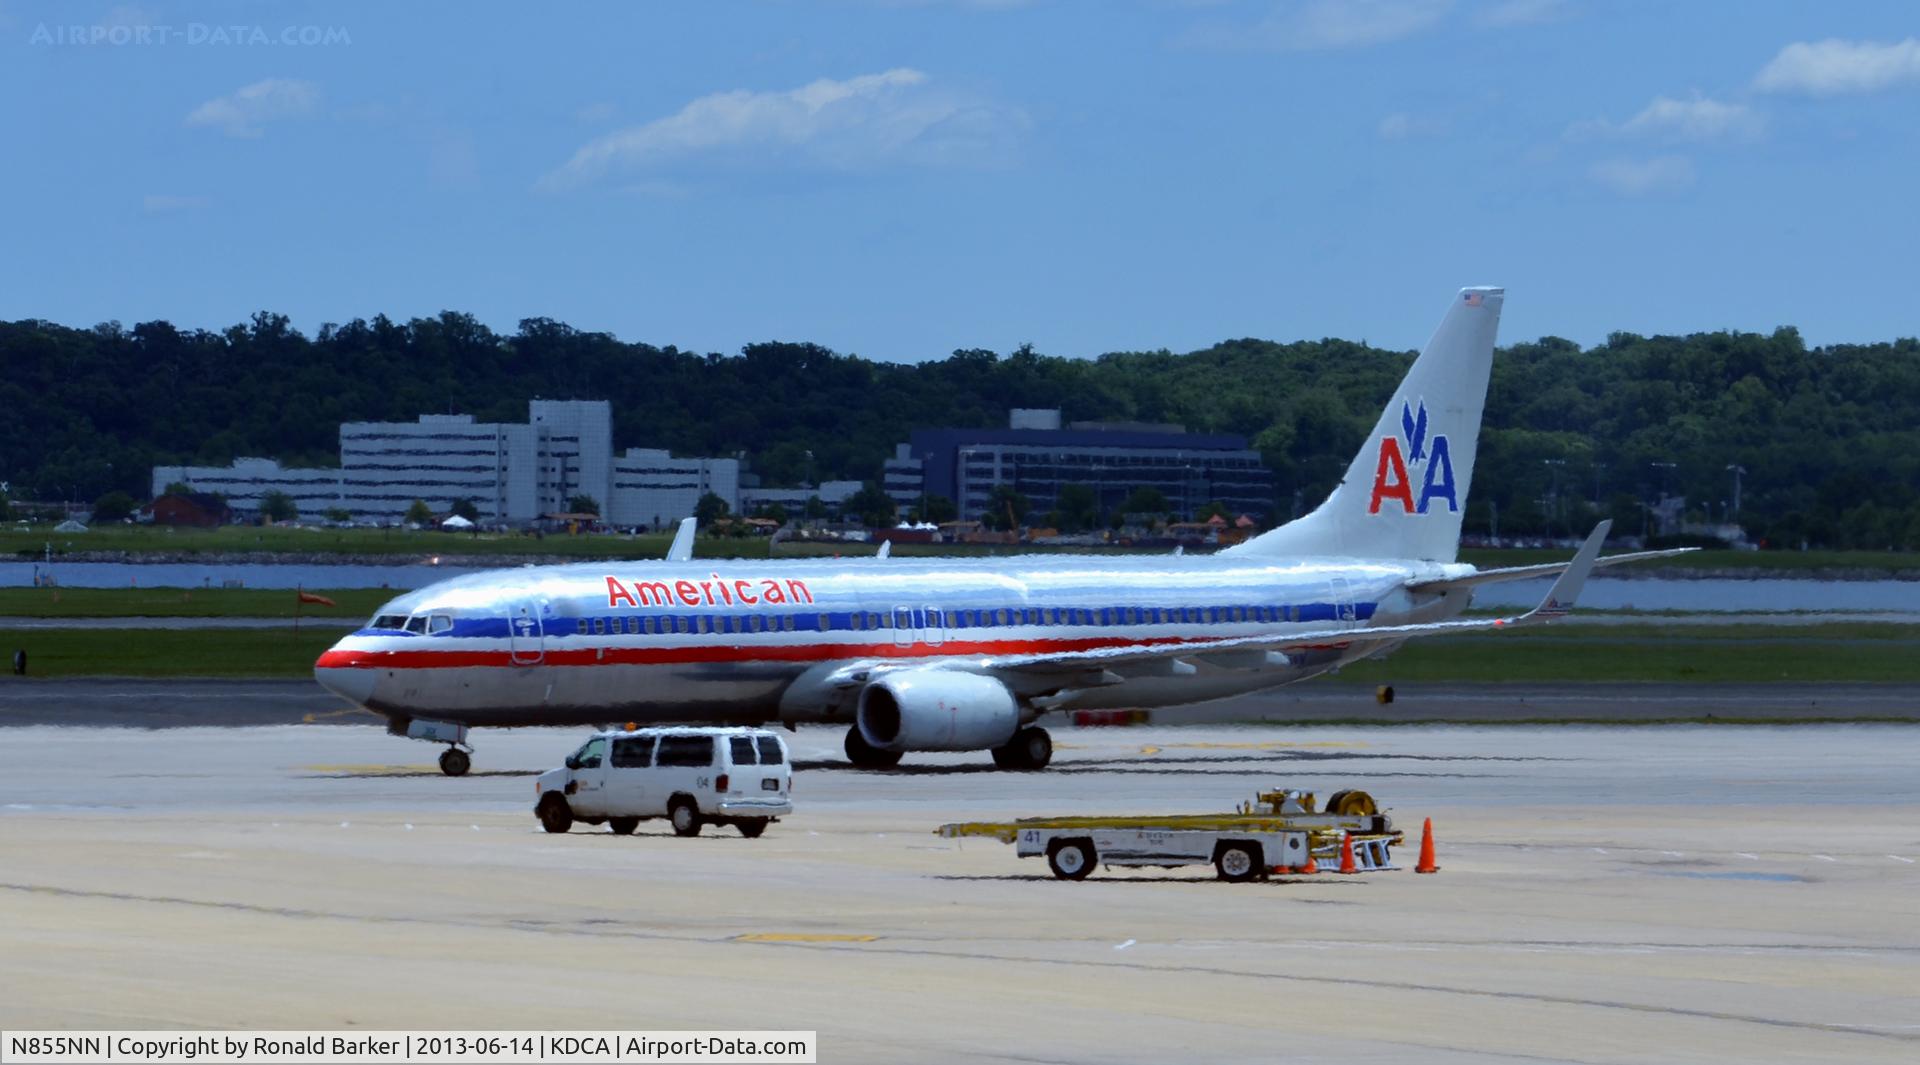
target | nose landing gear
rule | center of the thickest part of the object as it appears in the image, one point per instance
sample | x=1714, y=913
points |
x=454, y=762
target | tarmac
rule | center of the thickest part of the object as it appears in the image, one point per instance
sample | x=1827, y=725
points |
x=176, y=703
x=1682, y=893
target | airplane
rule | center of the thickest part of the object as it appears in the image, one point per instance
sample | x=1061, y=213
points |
x=948, y=654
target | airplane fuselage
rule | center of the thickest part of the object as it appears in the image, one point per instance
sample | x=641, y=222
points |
x=744, y=641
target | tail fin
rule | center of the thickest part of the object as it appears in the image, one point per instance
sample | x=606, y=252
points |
x=1406, y=491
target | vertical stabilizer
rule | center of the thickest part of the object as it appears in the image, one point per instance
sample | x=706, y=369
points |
x=1406, y=491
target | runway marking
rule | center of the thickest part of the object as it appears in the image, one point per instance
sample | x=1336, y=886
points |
x=1826, y=858
x=313, y=718
x=803, y=937
x=1897, y=858
x=1123, y=946
x=369, y=770
x=1749, y=857
x=1265, y=745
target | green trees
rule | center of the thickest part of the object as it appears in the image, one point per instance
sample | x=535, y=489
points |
x=338, y=515
x=709, y=509
x=1079, y=508
x=465, y=508
x=419, y=513
x=278, y=506
x=1007, y=508
x=1822, y=432
x=583, y=504
x=114, y=506
x=870, y=506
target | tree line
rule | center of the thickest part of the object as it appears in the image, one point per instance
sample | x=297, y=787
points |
x=1828, y=437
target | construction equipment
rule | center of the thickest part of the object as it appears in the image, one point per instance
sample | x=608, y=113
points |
x=1279, y=832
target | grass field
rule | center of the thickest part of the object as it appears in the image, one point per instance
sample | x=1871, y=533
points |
x=185, y=603
x=1706, y=654
x=405, y=545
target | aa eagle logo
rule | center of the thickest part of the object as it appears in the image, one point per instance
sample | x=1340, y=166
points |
x=1430, y=457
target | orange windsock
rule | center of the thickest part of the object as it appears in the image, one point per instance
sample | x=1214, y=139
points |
x=309, y=597
x=1427, y=864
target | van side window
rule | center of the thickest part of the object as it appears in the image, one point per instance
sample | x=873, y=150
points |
x=769, y=750
x=742, y=749
x=633, y=753
x=685, y=751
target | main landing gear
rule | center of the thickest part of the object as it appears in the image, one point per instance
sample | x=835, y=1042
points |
x=1030, y=748
x=864, y=755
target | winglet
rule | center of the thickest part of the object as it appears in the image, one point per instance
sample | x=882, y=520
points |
x=682, y=549
x=886, y=549
x=1566, y=588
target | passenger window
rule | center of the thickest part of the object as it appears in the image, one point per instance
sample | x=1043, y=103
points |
x=706, y=624
x=1001, y=617
x=649, y=626
x=786, y=622
x=742, y=749
x=633, y=626
x=439, y=623
x=417, y=623
x=634, y=752
x=680, y=625
x=825, y=622
x=588, y=757
x=599, y=626
x=859, y=622
x=770, y=751
x=684, y=751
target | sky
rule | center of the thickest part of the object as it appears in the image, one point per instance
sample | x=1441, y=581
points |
x=901, y=179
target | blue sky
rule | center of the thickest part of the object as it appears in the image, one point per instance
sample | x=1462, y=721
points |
x=902, y=179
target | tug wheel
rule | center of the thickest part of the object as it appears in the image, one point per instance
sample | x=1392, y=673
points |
x=1351, y=804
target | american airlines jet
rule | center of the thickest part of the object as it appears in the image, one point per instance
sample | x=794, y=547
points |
x=937, y=654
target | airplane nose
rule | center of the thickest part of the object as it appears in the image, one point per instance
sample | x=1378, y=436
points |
x=345, y=681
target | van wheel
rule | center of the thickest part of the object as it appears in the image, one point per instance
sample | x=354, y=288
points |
x=685, y=817
x=623, y=826
x=1071, y=859
x=1237, y=862
x=752, y=829
x=554, y=814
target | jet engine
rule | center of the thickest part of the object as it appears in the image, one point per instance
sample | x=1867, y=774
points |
x=936, y=710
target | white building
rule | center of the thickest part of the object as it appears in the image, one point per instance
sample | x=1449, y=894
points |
x=511, y=472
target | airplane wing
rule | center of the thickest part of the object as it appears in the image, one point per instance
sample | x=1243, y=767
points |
x=682, y=549
x=1544, y=569
x=1559, y=600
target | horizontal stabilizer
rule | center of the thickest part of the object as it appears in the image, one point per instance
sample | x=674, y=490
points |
x=1544, y=569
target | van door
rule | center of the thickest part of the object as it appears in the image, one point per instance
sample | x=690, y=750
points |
x=526, y=633
x=683, y=764
x=589, y=765
x=629, y=767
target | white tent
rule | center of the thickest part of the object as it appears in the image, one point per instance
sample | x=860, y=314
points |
x=69, y=526
x=456, y=522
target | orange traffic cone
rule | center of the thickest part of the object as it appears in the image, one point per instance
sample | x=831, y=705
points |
x=1347, y=864
x=1312, y=866
x=1427, y=864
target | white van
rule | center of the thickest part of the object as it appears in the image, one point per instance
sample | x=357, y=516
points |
x=691, y=776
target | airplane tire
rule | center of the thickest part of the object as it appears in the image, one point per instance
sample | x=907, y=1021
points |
x=623, y=826
x=554, y=814
x=685, y=816
x=1030, y=748
x=864, y=755
x=454, y=762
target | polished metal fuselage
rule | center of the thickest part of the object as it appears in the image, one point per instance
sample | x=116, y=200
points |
x=745, y=641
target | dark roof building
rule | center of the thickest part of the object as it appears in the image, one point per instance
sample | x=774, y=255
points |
x=1038, y=457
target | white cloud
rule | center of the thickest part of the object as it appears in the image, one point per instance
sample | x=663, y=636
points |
x=161, y=204
x=862, y=122
x=1522, y=13
x=1697, y=119
x=1639, y=177
x=1826, y=68
x=1324, y=24
x=1400, y=125
x=243, y=112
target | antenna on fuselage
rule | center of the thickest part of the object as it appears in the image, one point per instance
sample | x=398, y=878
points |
x=682, y=548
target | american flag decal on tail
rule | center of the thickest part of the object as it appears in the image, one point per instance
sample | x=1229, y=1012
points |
x=1553, y=608
x=1473, y=299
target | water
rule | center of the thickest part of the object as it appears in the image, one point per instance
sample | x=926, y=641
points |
x=1602, y=593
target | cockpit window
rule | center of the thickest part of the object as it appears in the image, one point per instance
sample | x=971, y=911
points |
x=439, y=623
x=389, y=621
x=417, y=623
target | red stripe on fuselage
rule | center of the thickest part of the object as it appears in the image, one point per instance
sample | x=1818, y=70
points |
x=814, y=652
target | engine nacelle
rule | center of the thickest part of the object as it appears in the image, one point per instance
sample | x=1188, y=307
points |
x=936, y=710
